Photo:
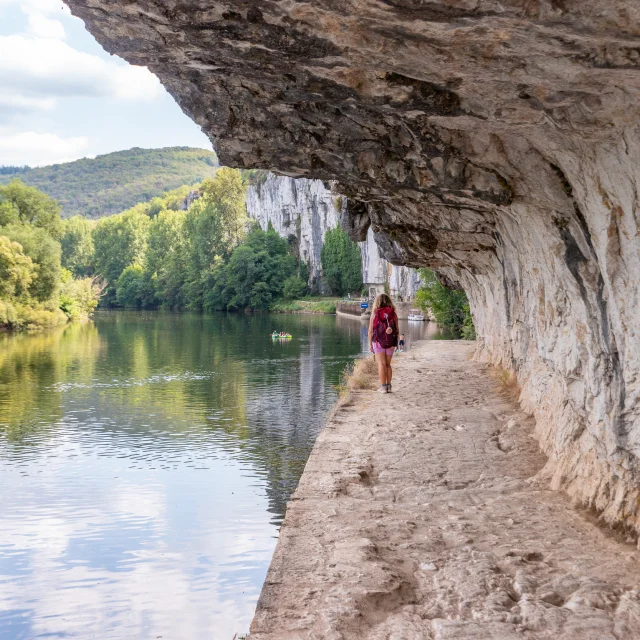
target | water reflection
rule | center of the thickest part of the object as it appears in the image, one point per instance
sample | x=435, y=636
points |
x=413, y=331
x=146, y=463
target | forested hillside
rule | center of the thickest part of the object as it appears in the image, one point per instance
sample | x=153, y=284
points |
x=111, y=183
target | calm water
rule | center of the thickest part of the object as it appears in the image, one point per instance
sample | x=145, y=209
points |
x=146, y=460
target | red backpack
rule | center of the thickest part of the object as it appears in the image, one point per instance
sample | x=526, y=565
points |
x=385, y=317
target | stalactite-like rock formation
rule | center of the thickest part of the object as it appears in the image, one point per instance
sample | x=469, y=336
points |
x=497, y=142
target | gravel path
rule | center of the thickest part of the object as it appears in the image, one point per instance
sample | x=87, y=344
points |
x=419, y=515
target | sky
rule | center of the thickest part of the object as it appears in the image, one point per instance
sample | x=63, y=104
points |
x=63, y=97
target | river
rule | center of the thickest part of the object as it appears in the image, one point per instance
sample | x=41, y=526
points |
x=146, y=461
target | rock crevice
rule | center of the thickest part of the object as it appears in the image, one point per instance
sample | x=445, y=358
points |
x=497, y=142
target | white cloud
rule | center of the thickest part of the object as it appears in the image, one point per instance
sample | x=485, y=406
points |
x=42, y=7
x=38, y=149
x=50, y=67
x=11, y=101
x=40, y=25
x=38, y=63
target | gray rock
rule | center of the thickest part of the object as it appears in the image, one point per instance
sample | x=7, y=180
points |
x=497, y=142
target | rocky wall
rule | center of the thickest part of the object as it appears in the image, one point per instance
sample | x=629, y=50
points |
x=303, y=211
x=299, y=210
x=497, y=142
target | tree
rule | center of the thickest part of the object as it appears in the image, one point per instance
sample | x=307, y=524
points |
x=341, y=263
x=32, y=207
x=44, y=251
x=294, y=287
x=165, y=257
x=254, y=275
x=131, y=287
x=216, y=223
x=227, y=192
x=17, y=270
x=77, y=246
x=119, y=241
x=449, y=307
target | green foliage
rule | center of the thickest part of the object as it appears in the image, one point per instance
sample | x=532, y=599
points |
x=294, y=287
x=467, y=331
x=44, y=251
x=20, y=204
x=254, y=275
x=114, y=182
x=77, y=246
x=35, y=291
x=17, y=270
x=119, y=242
x=307, y=305
x=78, y=298
x=341, y=263
x=449, y=307
x=165, y=263
x=131, y=288
x=30, y=315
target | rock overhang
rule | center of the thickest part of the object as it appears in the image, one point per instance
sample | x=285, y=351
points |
x=494, y=141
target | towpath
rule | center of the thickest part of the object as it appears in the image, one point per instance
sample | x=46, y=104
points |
x=420, y=516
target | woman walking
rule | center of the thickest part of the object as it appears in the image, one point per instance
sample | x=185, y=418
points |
x=383, y=338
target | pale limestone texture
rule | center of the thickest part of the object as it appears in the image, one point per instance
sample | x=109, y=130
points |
x=419, y=516
x=303, y=211
x=497, y=142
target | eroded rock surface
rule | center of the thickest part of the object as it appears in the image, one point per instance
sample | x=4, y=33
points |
x=495, y=141
x=303, y=211
x=420, y=516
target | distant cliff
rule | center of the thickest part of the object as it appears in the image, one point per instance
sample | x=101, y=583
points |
x=303, y=211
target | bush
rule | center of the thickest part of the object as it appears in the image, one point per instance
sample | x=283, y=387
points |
x=33, y=316
x=79, y=298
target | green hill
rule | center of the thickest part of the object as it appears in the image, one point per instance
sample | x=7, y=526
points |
x=111, y=183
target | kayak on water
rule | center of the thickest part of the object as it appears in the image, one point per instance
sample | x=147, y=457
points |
x=281, y=336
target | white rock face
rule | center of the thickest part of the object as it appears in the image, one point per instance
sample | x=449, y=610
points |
x=403, y=282
x=300, y=210
x=303, y=211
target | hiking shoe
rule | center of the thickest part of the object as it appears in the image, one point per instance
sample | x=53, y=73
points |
x=383, y=388
x=389, y=388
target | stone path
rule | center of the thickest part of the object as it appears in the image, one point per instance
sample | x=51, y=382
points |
x=419, y=515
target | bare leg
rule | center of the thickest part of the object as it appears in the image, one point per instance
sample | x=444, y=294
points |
x=382, y=367
x=389, y=372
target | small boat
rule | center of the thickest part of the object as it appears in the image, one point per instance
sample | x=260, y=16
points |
x=288, y=336
x=416, y=317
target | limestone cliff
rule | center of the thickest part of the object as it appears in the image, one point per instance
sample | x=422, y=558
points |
x=299, y=210
x=303, y=211
x=498, y=142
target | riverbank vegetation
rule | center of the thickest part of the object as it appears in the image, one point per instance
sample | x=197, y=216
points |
x=36, y=291
x=449, y=307
x=308, y=304
x=194, y=248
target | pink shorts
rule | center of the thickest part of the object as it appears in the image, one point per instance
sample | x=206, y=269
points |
x=378, y=349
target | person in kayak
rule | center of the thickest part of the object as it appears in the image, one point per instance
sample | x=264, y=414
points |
x=383, y=338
